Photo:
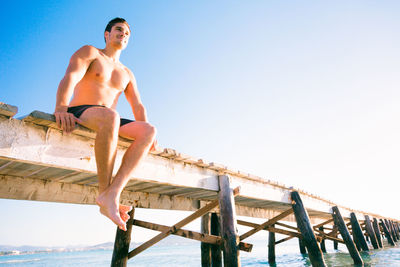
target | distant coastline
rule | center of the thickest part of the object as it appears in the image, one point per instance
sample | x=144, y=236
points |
x=23, y=250
x=6, y=250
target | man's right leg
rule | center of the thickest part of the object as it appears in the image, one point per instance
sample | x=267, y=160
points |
x=105, y=122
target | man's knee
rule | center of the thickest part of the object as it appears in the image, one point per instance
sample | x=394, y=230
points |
x=151, y=131
x=148, y=134
x=109, y=119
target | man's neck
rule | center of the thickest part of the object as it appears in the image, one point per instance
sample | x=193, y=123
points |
x=112, y=53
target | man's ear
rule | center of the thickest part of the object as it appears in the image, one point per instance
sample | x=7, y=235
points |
x=106, y=35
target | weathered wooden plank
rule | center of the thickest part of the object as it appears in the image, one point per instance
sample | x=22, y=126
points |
x=266, y=224
x=346, y=236
x=205, y=247
x=217, y=167
x=228, y=223
x=357, y=231
x=307, y=233
x=370, y=231
x=8, y=110
x=44, y=190
x=283, y=239
x=287, y=226
x=331, y=236
x=283, y=232
x=269, y=228
x=322, y=224
x=47, y=146
x=121, y=244
x=202, y=237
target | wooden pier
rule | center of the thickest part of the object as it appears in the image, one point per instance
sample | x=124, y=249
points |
x=39, y=162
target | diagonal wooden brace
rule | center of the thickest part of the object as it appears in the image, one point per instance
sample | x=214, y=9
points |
x=266, y=224
x=177, y=226
x=205, y=238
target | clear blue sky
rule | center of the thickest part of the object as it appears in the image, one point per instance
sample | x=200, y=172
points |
x=302, y=92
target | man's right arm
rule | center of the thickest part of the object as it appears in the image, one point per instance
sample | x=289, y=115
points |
x=78, y=65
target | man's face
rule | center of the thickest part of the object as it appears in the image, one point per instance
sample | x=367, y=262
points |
x=119, y=35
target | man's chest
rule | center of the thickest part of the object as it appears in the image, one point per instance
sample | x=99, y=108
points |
x=108, y=73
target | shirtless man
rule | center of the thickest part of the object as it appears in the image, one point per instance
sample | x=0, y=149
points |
x=95, y=79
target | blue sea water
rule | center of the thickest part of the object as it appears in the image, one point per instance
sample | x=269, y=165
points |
x=287, y=255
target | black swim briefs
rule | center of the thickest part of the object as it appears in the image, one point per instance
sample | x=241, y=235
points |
x=78, y=110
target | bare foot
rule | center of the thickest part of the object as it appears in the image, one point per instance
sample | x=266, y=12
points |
x=124, y=208
x=108, y=203
x=125, y=217
x=123, y=212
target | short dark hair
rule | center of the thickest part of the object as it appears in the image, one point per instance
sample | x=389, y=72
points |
x=114, y=21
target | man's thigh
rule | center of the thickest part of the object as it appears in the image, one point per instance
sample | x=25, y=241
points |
x=134, y=129
x=93, y=117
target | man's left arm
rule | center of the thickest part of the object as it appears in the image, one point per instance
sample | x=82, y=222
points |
x=133, y=97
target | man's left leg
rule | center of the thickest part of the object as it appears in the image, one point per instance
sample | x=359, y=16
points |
x=144, y=134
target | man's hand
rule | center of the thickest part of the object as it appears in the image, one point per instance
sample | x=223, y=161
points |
x=66, y=121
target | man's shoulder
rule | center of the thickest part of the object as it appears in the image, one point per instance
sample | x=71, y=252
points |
x=87, y=51
x=127, y=70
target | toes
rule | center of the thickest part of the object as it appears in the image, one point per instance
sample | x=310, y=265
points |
x=124, y=208
x=125, y=217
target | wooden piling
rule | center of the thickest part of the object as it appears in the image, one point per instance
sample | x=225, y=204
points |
x=377, y=232
x=271, y=247
x=335, y=234
x=390, y=230
x=357, y=232
x=323, y=248
x=371, y=232
x=396, y=228
x=216, y=255
x=344, y=232
x=228, y=223
x=394, y=234
x=387, y=222
x=205, y=247
x=121, y=244
x=387, y=233
x=307, y=232
x=302, y=247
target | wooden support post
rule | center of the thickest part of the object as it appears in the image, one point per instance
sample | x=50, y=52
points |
x=271, y=247
x=387, y=222
x=357, y=232
x=396, y=228
x=344, y=232
x=371, y=232
x=304, y=225
x=335, y=234
x=323, y=248
x=377, y=231
x=387, y=233
x=121, y=244
x=394, y=234
x=302, y=247
x=216, y=255
x=228, y=223
x=205, y=247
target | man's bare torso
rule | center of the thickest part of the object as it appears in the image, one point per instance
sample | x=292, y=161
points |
x=102, y=84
